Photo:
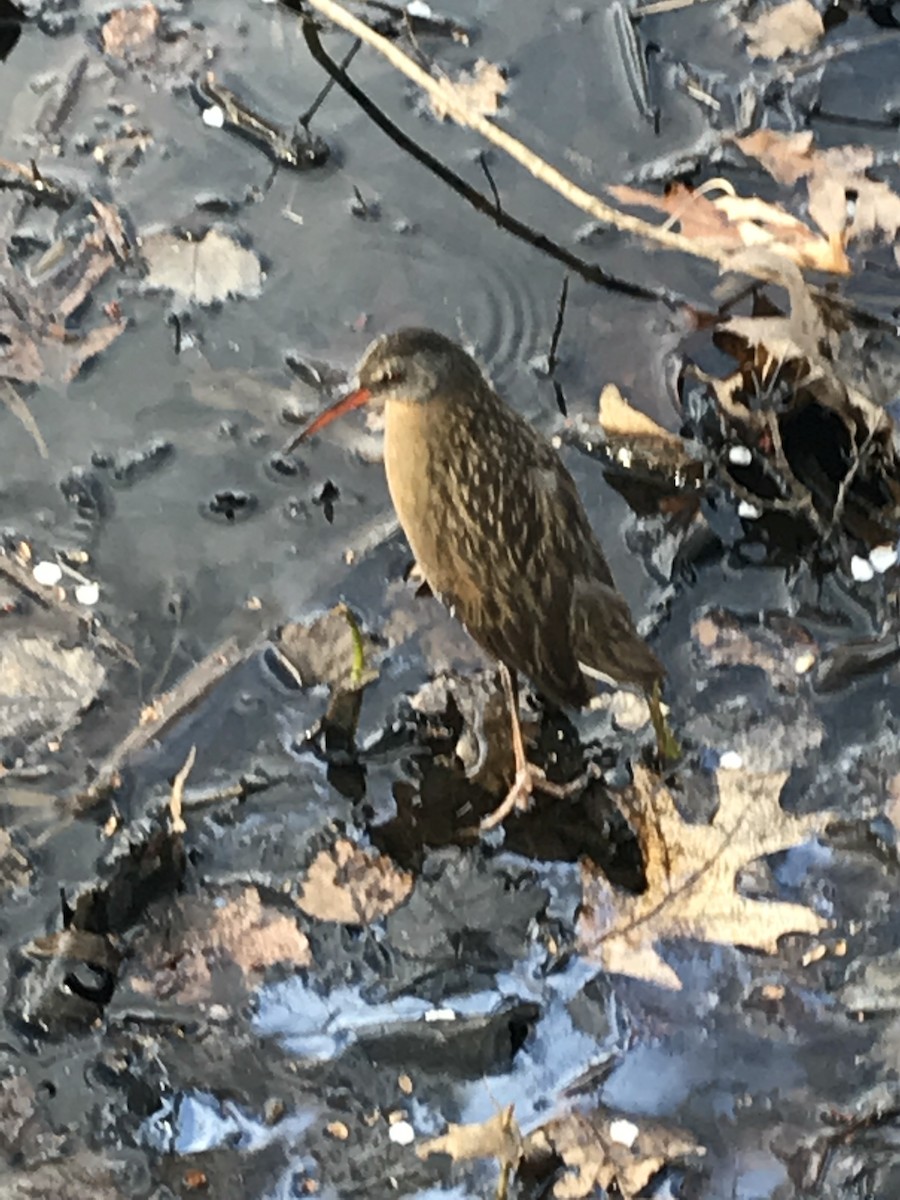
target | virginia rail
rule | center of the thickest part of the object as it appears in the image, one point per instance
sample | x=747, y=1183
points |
x=500, y=534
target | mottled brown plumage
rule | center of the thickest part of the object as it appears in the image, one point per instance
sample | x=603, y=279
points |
x=495, y=521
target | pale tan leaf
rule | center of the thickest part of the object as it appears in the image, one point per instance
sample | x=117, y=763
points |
x=728, y=219
x=352, y=886
x=832, y=175
x=205, y=940
x=498, y=1137
x=691, y=875
x=697, y=216
x=792, y=28
x=786, y=156
x=621, y=419
x=603, y=1149
x=479, y=90
x=130, y=31
x=204, y=271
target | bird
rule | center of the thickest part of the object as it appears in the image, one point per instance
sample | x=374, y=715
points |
x=500, y=534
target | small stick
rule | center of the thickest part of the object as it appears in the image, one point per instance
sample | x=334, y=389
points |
x=558, y=327
x=163, y=713
x=348, y=58
x=483, y=162
x=176, y=799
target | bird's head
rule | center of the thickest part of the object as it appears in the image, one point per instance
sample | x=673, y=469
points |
x=409, y=366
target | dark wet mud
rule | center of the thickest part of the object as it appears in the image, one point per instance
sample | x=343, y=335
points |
x=251, y=942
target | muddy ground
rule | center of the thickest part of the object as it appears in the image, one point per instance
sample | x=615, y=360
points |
x=283, y=973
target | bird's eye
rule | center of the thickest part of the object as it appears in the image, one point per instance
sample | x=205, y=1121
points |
x=391, y=375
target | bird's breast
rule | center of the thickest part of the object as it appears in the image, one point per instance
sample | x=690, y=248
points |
x=410, y=465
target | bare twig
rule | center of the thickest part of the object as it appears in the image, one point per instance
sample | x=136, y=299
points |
x=558, y=327
x=483, y=163
x=163, y=713
x=348, y=58
x=20, y=409
x=176, y=799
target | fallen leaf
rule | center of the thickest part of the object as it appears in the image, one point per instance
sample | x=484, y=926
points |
x=498, y=1137
x=621, y=419
x=792, y=28
x=479, y=90
x=202, y=271
x=352, y=886
x=44, y=685
x=36, y=341
x=832, y=176
x=718, y=217
x=130, y=32
x=204, y=938
x=603, y=1149
x=691, y=873
x=726, y=641
x=139, y=40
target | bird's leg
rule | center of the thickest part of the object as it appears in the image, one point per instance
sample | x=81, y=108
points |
x=529, y=777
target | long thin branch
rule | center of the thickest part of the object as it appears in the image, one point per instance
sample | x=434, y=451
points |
x=445, y=95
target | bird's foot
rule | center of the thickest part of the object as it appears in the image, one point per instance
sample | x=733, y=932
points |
x=529, y=779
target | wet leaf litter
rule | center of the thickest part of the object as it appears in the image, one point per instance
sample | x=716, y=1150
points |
x=443, y=985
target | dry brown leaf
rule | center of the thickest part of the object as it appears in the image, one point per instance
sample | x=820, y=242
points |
x=696, y=214
x=792, y=28
x=207, y=938
x=605, y=1150
x=786, y=156
x=130, y=32
x=728, y=220
x=352, y=886
x=498, y=1137
x=39, y=344
x=831, y=175
x=691, y=877
x=479, y=90
x=621, y=419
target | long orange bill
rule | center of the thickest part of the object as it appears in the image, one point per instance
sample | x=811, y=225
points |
x=345, y=404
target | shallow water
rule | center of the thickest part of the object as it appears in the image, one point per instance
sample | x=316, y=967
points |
x=756, y=1051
